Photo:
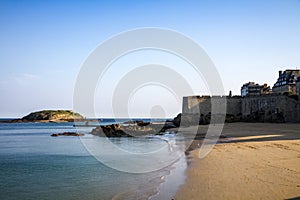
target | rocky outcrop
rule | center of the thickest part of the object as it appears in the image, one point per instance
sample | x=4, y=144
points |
x=114, y=130
x=132, y=129
x=50, y=116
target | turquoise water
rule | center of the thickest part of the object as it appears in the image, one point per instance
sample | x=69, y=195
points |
x=34, y=165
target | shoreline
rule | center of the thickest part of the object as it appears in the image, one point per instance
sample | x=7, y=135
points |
x=166, y=189
x=255, y=160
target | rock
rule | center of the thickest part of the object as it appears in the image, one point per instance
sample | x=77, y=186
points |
x=177, y=120
x=137, y=122
x=186, y=120
x=49, y=116
x=137, y=129
x=67, y=134
x=114, y=130
x=166, y=126
x=142, y=123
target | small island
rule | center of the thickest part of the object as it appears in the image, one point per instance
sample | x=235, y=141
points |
x=49, y=116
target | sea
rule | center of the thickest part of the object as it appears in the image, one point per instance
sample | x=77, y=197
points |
x=34, y=165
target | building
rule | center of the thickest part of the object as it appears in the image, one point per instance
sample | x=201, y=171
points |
x=250, y=88
x=286, y=82
x=266, y=89
x=253, y=89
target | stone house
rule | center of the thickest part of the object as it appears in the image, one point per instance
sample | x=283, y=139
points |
x=286, y=82
x=254, y=89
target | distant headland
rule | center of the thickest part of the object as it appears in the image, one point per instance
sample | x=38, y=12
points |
x=49, y=116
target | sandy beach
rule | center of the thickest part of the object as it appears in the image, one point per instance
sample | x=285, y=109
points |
x=254, y=161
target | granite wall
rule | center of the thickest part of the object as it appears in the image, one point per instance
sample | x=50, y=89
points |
x=264, y=108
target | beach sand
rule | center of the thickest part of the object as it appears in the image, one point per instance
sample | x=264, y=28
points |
x=255, y=161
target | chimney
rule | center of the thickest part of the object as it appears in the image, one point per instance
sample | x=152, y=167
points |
x=280, y=72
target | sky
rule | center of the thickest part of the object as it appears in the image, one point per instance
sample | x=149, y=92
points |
x=45, y=43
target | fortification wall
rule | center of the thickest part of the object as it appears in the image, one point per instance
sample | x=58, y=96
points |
x=273, y=108
x=202, y=104
x=293, y=110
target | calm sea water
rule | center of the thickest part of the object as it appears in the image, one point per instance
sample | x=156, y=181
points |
x=34, y=165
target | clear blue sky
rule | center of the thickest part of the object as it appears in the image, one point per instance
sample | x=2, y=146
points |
x=44, y=43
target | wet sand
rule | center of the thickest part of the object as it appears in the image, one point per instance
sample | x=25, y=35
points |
x=254, y=161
